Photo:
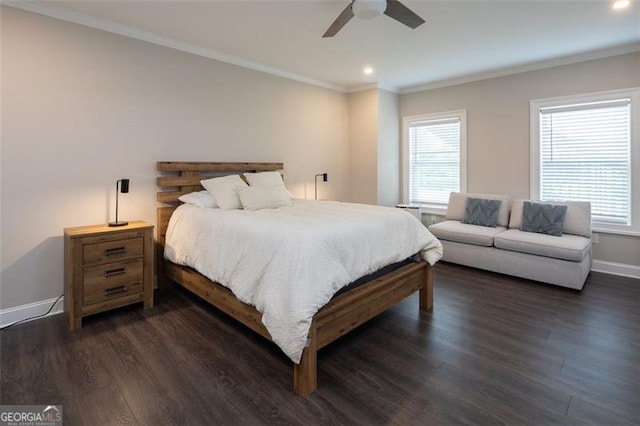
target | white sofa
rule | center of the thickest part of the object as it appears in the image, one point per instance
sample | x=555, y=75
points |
x=562, y=260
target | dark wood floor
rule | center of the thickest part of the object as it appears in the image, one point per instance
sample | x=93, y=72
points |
x=495, y=350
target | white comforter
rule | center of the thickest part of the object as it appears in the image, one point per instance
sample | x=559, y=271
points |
x=288, y=262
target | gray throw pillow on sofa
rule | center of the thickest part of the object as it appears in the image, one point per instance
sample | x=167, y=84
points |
x=478, y=211
x=543, y=218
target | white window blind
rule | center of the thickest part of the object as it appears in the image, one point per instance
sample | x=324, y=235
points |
x=585, y=154
x=434, y=160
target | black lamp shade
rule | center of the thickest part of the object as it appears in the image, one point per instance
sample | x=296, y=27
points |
x=124, y=186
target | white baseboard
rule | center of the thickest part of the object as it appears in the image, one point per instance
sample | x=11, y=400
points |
x=613, y=268
x=18, y=313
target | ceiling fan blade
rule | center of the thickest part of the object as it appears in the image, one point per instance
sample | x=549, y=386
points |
x=403, y=14
x=340, y=22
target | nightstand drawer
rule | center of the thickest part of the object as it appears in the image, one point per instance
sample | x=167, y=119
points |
x=110, y=251
x=113, y=280
x=106, y=292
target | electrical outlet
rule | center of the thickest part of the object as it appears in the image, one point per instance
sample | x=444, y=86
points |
x=595, y=238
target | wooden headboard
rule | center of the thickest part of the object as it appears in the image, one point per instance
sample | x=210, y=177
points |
x=179, y=178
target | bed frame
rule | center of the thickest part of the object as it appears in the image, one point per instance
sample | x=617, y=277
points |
x=341, y=315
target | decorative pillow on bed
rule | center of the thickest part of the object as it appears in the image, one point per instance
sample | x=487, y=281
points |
x=264, y=197
x=543, y=218
x=479, y=211
x=224, y=190
x=266, y=179
x=200, y=199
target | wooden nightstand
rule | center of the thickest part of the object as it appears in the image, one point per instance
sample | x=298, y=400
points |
x=105, y=268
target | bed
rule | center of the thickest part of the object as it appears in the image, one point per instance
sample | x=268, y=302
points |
x=342, y=313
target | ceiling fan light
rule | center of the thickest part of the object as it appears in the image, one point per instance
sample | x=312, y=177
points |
x=368, y=9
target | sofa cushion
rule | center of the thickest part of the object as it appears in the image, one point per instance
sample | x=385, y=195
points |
x=480, y=211
x=458, y=201
x=454, y=230
x=577, y=220
x=543, y=218
x=567, y=247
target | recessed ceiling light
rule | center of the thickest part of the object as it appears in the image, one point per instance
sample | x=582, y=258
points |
x=368, y=70
x=621, y=4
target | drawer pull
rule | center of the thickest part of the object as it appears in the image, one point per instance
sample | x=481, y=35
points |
x=117, y=271
x=115, y=250
x=114, y=290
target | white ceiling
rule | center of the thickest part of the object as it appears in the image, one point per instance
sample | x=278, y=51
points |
x=460, y=41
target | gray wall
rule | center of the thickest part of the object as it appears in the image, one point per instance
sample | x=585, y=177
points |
x=82, y=108
x=374, y=141
x=388, y=169
x=498, y=127
x=363, y=146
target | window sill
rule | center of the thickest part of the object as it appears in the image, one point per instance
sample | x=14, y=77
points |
x=434, y=210
x=598, y=230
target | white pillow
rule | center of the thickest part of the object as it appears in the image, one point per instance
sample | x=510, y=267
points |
x=264, y=179
x=264, y=197
x=200, y=199
x=224, y=190
x=272, y=179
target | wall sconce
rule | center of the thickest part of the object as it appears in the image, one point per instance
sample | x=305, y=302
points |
x=324, y=179
x=122, y=185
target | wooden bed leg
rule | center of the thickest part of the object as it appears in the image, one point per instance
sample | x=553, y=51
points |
x=426, y=292
x=305, y=374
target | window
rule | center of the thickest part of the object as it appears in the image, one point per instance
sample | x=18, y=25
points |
x=434, y=155
x=586, y=148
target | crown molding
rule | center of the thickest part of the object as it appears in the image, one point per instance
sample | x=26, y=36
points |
x=362, y=87
x=533, y=66
x=127, y=31
x=369, y=86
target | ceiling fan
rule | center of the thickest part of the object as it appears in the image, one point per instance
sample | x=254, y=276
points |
x=369, y=9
